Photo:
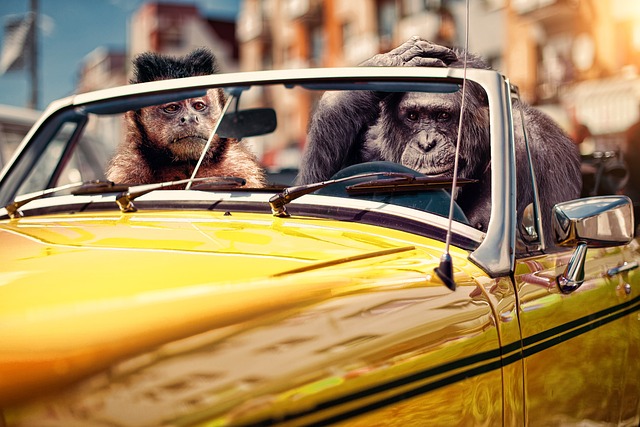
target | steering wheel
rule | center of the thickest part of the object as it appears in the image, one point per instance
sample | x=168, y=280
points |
x=434, y=201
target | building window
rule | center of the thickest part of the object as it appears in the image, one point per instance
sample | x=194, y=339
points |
x=387, y=17
x=170, y=33
x=412, y=7
x=317, y=45
x=348, y=32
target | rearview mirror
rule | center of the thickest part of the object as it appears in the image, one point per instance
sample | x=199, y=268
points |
x=243, y=123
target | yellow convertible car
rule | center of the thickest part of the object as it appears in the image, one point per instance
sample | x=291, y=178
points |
x=366, y=299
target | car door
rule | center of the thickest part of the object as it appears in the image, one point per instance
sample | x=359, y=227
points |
x=576, y=344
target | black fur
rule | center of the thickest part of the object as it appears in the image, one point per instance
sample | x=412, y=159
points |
x=351, y=127
x=151, y=66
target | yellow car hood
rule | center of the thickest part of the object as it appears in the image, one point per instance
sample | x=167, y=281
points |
x=79, y=292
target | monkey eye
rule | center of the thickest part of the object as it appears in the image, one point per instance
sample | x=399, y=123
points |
x=171, y=108
x=443, y=116
x=413, y=116
x=199, y=106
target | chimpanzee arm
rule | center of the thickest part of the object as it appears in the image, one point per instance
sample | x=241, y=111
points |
x=336, y=133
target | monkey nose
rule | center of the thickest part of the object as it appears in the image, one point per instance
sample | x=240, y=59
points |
x=189, y=119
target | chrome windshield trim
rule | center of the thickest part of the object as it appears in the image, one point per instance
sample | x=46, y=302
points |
x=496, y=253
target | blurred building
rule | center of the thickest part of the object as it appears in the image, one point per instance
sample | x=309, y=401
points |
x=281, y=34
x=275, y=34
x=163, y=27
x=582, y=56
x=577, y=59
x=15, y=122
x=176, y=29
x=102, y=68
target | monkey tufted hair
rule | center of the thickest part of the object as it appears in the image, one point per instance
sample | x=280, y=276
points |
x=149, y=66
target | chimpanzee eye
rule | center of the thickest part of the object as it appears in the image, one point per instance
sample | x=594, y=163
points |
x=443, y=117
x=413, y=116
x=199, y=106
x=171, y=108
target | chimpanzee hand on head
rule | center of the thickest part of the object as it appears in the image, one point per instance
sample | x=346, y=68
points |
x=415, y=52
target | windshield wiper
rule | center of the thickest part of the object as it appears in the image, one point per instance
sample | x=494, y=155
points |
x=99, y=187
x=13, y=207
x=397, y=181
x=126, y=194
x=81, y=188
x=393, y=185
x=124, y=200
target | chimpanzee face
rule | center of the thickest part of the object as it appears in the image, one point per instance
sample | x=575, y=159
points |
x=421, y=131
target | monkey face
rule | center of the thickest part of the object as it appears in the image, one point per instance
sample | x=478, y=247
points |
x=423, y=132
x=182, y=128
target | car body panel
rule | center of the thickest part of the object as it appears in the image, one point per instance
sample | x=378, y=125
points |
x=376, y=275
x=563, y=335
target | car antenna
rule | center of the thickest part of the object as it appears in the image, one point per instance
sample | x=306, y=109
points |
x=234, y=93
x=445, y=269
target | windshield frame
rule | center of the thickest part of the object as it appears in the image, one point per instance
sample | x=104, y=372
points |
x=495, y=254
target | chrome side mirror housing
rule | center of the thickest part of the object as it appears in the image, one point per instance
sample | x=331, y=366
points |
x=596, y=221
x=590, y=223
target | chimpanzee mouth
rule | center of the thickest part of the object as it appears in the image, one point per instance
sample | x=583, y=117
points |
x=439, y=173
x=439, y=169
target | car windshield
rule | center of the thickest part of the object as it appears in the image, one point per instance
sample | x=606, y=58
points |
x=220, y=136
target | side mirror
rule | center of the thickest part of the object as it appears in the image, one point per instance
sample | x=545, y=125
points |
x=592, y=222
x=596, y=221
x=251, y=122
x=528, y=226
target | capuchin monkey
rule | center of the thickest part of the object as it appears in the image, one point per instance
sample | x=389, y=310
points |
x=164, y=142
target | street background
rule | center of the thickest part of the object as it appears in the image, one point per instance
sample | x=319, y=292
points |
x=577, y=60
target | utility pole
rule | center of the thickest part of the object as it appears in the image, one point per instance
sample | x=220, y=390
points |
x=33, y=60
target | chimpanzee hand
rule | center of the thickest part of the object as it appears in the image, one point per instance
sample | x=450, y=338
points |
x=415, y=52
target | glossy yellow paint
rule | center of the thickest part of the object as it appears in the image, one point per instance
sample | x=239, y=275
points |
x=202, y=318
x=80, y=302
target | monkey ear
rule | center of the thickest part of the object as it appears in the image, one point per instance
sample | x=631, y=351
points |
x=202, y=62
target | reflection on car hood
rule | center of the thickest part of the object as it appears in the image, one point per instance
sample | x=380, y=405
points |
x=82, y=296
x=193, y=248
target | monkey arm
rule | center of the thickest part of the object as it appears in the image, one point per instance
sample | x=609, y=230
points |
x=556, y=163
x=417, y=52
x=128, y=167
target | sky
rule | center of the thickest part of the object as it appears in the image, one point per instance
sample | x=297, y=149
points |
x=69, y=30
